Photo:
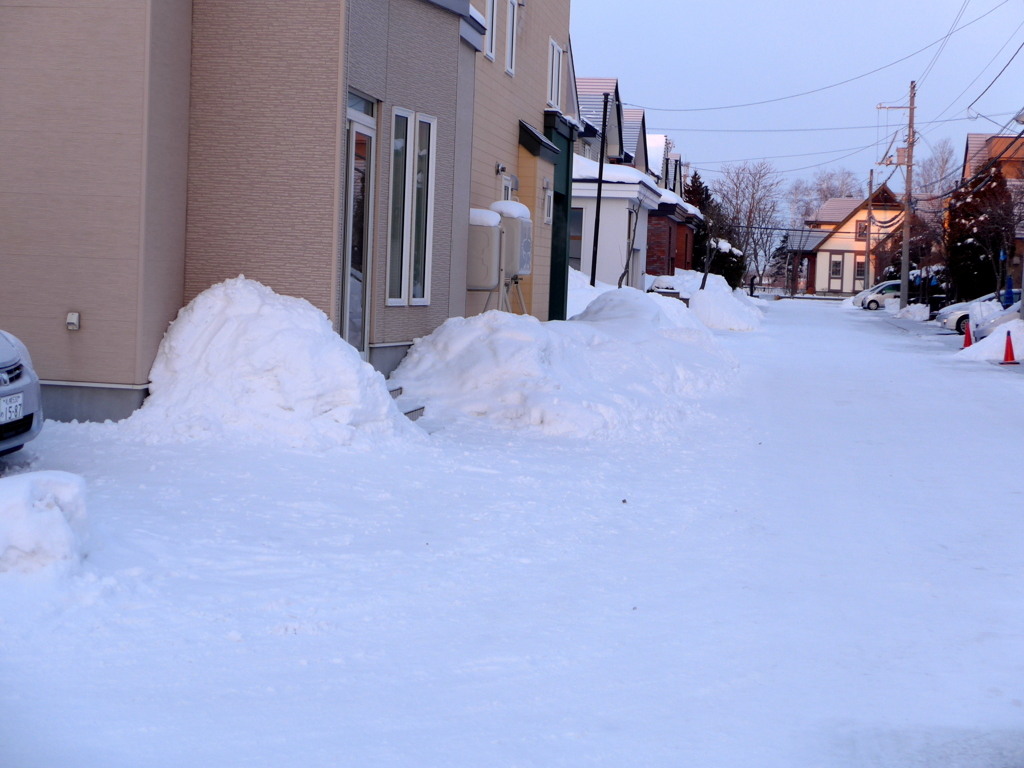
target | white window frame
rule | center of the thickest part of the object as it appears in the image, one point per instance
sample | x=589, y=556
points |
x=491, y=15
x=549, y=206
x=554, y=74
x=409, y=211
x=506, y=188
x=512, y=22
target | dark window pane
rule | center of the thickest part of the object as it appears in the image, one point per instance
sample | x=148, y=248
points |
x=399, y=165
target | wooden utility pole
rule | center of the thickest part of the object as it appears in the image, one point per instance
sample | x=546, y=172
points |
x=907, y=203
x=867, y=234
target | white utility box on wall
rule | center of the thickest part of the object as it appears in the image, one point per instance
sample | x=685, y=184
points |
x=483, y=268
x=517, y=238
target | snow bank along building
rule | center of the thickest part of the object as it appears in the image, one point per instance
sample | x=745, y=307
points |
x=150, y=148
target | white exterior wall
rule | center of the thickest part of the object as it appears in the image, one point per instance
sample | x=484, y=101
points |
x=617, y=201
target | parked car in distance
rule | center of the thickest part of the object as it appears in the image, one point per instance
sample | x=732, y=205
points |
x=955, y=316
x=887, y=290
x=860, y=298
x=990, y=323
x=21, y=404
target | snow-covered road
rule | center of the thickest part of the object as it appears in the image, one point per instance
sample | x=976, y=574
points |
x=824, y=568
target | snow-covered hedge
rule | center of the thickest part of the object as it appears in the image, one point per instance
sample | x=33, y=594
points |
x=243, y=360
x=630, y=361
x=42, y=520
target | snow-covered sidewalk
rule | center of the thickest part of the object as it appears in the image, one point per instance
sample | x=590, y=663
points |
x=820, y=567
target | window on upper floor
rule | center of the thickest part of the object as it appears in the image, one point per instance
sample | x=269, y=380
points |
x=413, y=148
x=491, y=14
x=554, y=75
x=511, y=22
x=862, y=230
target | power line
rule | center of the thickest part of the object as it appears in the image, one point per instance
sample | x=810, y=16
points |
x=978, y=76
x=806, y=130
x=826, y=87
x=935, y=58
x=997, y=76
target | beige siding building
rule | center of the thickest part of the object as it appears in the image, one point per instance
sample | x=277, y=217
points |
x=524, y=111
x=93, y=151
x=151, y=148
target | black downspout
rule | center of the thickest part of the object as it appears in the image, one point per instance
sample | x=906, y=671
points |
x=600, y=186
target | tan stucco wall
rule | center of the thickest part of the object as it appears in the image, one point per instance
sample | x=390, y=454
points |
x=502, y=100
x=264, y=146
x=88, y=97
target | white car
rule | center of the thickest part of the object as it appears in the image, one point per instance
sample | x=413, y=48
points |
x=955, y=316
x=987, y=326
x=21, y=405
x=875, y=299
x=860, y=298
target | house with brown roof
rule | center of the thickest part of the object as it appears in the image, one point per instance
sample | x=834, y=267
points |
x=153, y=148
x=837, y=264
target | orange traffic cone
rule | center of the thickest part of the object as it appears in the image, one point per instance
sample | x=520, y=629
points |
x=1008, y=356
x=967, y=334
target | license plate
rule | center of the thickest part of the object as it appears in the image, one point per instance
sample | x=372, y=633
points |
x=10, y=407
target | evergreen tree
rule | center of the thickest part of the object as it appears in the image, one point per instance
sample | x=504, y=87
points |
x=712, y=227
x=979, y=227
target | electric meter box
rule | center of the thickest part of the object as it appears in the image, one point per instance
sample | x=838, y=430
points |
x=483, y=264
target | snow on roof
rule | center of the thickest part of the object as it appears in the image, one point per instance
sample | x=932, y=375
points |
x=668, y=196
x=836, y=209
x=585, y=169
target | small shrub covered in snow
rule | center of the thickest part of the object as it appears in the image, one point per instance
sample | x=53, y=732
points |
x=629, y=361
x=243, y=360
x=42, y=519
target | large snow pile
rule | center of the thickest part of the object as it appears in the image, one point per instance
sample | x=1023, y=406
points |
x=42, y=519
x=913, y=312
x=993, y=346
x=245, y=361
x=581, y=293
x=630, y=361
x=717, y=306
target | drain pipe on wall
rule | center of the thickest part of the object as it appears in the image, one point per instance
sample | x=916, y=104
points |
x=600, y=186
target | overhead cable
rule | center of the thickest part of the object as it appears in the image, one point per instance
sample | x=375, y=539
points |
x=826, y=87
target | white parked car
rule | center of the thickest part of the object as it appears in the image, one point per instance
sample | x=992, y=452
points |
x=987, y=326
x=877, y=297
x=955, y=316
x=21, y=405
x=860, y=298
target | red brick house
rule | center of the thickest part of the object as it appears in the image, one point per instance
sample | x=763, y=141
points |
x=670, y=231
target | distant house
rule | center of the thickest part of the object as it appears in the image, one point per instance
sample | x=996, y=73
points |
x=672, y=225
x=835, y=243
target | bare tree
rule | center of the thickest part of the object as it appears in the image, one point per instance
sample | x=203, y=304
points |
x=751, y=200
x=937, y=172
x=805, y=197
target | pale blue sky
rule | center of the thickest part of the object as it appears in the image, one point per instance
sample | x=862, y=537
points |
x=668, y=53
